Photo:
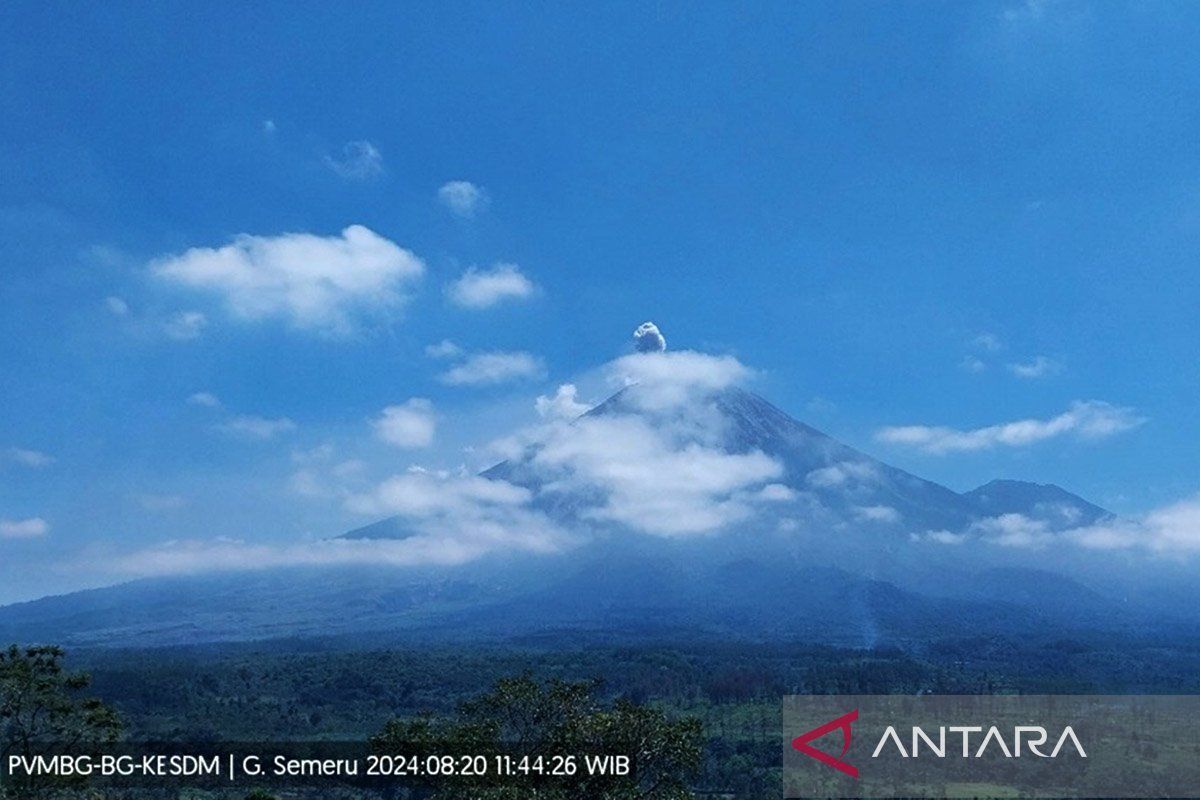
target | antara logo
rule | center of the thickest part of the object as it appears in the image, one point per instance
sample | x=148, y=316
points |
x=842, y=723
x=1033, y=737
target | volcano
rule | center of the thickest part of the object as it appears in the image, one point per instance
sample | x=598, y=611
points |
x=832, y=546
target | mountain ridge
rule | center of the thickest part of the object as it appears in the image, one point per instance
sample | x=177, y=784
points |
x=845, y=570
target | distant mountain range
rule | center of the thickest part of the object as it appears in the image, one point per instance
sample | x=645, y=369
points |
x=841, y=559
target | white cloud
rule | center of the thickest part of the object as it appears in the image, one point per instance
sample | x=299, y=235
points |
x=422, y=493
x=654, y=480
x=675, y=378
x=29, y=458
x=475, y=513
x=463, y=198
x=116, y=306
x=205, y=399
x=1090, y=419
x=1037, y=368
x=939, y=537
x=316, y=282
x=491, y=368
x=23, y=528
x=485, y=288
x=466, y=543
x=775, y=493
x=840, y=473
x=186, y=325
x=1006, y=530
x=269, y=127
x=443, y=349
x=359, y=160
x=989, y=342
x=1013, y=530
x=563, y=405
x=1173, y=529
x=877, y=514
x=254, y=427
x=649, y=339
x=409, y=425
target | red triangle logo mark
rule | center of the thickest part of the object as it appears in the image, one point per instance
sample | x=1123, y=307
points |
x=842, y=723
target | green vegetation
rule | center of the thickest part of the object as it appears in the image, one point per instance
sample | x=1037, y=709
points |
x=41, y=704
x=533, y=722
x=326, y=690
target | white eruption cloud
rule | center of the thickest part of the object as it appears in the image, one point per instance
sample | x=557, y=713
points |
x=649, y=339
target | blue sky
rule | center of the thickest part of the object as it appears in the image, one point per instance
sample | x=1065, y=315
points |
x=945, y=216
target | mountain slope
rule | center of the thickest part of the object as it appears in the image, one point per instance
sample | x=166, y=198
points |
x=1045, y=502
x=836, y=558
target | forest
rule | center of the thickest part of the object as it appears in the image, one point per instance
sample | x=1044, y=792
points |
x=729, y=692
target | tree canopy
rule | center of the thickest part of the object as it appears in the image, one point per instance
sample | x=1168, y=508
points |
x=43, y=709
x=523, y=717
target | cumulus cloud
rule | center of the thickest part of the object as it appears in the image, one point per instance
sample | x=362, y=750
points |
x=186, y=325
x=649, y=339
x=443, y=349
x=1006, y=530
x=885, y=514
x=485, y=288
x=939, y=537
x=467, y=541
x=315, y=282
x=204, y=399
x=482, y=369
x=475, y=513
x=563, y=404
x=116, y=306
x=651, y=478
x=250, y=426
x=409, y=425
x=23, y=528
x=1173, y=529
x=359, y=160
x=1091, y=419
x=463, y=198
x=840, y=474
x=1037, y=368
x=35, y=459
x=675, y=378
